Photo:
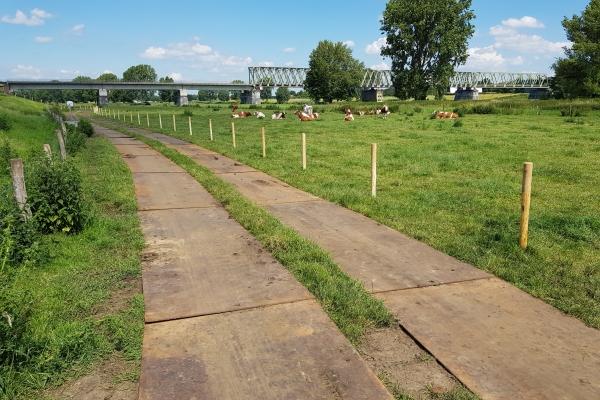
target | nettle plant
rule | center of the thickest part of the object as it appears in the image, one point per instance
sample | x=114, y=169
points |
x=55, y=196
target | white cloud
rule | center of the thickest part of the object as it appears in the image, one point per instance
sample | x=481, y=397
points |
x=289, y=64
x=78, y=29
x=375, y=47
x=35, y=18
x=26, y=71
x=349, y=43
x=266, y=64
x=512, y=39
x=176, y=76
x=381, y=66
x=69, y=73
x=523, y=22
x=42, y=39
x=202, y=55
x=289, y=50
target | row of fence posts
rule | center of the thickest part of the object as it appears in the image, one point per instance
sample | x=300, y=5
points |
x=525, y=188
x=17, y=168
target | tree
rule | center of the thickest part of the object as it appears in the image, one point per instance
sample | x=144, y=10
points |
x=333, y=73
x=113, y=95
x=426, y=40
x=167, y=96
x=139, y=73
x=282, y=95
x=578, y=74
x=84, y=96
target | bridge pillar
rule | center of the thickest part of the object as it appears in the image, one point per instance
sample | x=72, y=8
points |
x=102, y=97
x=466, y=94
x=182, y=99
x=250, y=97
x=373, y=95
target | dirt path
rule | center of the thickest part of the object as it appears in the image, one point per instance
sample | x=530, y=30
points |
x=224, y=320
x=499, y=341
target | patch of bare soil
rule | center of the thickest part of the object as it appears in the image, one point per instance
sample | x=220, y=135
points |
x=403, y=365
x=120, y=297
x=105, y=382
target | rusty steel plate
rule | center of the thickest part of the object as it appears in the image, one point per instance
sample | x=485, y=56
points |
x=290, y=351
x=500, y=341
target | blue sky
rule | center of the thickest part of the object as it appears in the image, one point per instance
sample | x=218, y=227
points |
x=217, y=40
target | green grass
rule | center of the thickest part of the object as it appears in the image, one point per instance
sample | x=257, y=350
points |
x=63, y=305
x=455, y=188
x=344, y=299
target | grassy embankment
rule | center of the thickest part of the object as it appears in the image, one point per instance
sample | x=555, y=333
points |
x=80, y=303
x=454, y=187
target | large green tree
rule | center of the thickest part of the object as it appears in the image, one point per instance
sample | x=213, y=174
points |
x=426, y=40
x=282, y=94
x=578, y=74
x=167, y=95
x=139, y=73
x=334, y=74
x=113, y=95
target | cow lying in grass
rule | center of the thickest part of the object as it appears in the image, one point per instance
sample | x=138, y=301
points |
x=348, y=116
x=304, y=117
x=383, y=111
x=259, y=115
x=241, y=114
x=278, y=115
x=444, y=115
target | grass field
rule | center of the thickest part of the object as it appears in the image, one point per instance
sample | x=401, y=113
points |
x=454, y=187
x=78, y=305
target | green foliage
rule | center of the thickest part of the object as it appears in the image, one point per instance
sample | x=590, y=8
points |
x=282, y=95
x=168, y=96
x=570, y=112
x=578, y=74
x=187, y=113
x=84, y=126
x=458, y=124
x=74, y=140
x=138, y=73
x=55, y=196
x=426, y=40
x=6, y=154
x=5, y=123
x=483, y=109
x=19, y=238
x=333, y=73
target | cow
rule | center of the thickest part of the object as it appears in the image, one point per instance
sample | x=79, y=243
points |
x=259, y=115
x=348, y=115
x=304, y=117
x=383, y=111
x=278, y=115
x=241, y=114
x=444, y=115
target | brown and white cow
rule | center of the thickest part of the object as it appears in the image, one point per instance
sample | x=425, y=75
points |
x=444, y=115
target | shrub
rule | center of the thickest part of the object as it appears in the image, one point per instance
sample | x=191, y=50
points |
x=19, y=238
x=74, y=140
x=5, y=123
x=188, y=113
x=55, y=196
x=571, y=112
x=85, y=127
x=458, y=123
x=6, y=153
x=461, y=111
x=418, y=109
x=483, y=109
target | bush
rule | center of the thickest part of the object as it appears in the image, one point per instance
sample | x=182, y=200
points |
x=5, y=123
x=6, y=153
x=418, y=109
x=483, y=109
x=571, y=112
x=55, y=196
x=19, y=238
x=458, y=123
x=74, y=140
x=85, y=127
x=187, y=113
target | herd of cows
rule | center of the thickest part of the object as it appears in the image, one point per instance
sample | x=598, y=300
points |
x=307, y=114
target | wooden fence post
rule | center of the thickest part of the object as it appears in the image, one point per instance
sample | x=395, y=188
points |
x=190, y=124
x=174, y=124
x=210, y=128
x=139, y=120
x=525, y=203
x=374, y=169
x=18, y=177
x=48, y=150
x=160, y=120
x=61, y=144
x=304, y=151
x=263, y=141
x=131, y=117
x=233, y=134
x=148, y=120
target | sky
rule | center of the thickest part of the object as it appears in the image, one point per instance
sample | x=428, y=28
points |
x=216, y=41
